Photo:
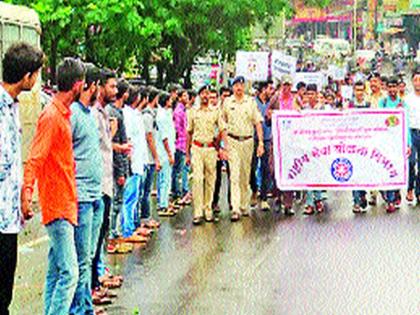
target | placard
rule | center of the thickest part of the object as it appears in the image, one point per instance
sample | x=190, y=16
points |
x=252, y=65
x=317, y=78
x=282, y=64
x=347, y=92
x=350, y=150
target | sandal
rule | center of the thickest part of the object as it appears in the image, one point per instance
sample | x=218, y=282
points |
x=174, y=209
x=112, y=284
x=100, y=311
x=144, y=232
x=110, y=276
x=309, y=210
x=100, y=300
x=135, y=238
x=164, y=212
x=152, y=224
x=319, y=206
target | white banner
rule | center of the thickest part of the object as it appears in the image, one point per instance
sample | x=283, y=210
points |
x=252, y=65
x=347, y=92
x=282, y=64
x=337, y=73
x=350, y=150
x=200, y=75
x=317, y=78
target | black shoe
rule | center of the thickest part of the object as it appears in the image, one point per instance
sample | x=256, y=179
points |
x=216, y=209
x=289, y=211
x=209, y=219
x=356, y=209
x=235, y=217
x=197, y=221
x=216, y=218
x=364, y=203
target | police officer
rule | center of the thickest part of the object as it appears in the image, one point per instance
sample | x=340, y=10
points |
x=203, y=122
x=242, y=116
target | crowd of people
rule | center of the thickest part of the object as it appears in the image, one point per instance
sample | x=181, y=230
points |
x=102, y=146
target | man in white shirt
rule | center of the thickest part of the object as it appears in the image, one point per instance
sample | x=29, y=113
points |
x=413, y=103
x=137, y=138
x=21, y=66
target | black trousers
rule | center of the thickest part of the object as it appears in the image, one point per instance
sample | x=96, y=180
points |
x=103, y=234
x=216, y=194
x=8, y=260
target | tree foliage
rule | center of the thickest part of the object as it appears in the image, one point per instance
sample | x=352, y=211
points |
x=127, y=34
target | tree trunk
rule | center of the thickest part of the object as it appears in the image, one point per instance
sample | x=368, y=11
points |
x=161, y=70
x=187, y=78
x=145, y=73
x=89, y=47
x=53, y=59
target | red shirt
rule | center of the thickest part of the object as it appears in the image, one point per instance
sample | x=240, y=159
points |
x=286, y=102
x=51, y=162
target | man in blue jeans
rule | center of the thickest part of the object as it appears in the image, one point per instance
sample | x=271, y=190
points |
x=121, y=149
x=130, y=219
x=263, y=101
x=89, y=172
x=51, y=163
x=393, y=197
x=152, y=162
x=180, y=120
x=413, y=102
x=359, y=102
x=107, y=128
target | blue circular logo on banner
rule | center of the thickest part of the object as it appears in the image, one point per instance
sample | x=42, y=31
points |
x=341, y=170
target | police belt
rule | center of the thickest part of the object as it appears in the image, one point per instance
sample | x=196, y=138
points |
x=239, y=138
x=204, y=145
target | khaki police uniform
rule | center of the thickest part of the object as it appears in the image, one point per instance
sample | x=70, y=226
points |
x=241, y=118
x=202, y=123
x=374, y=99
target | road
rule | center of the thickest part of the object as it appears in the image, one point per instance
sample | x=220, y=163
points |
x=334, y=263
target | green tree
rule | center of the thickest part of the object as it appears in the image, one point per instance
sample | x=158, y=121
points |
x=171, y=34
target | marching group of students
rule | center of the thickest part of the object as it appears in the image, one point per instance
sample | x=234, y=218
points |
x=102, y=145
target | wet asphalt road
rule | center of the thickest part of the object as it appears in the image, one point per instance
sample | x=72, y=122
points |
x=334, y=263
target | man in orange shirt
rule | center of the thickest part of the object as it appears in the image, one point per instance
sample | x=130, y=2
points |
x=51, y=163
